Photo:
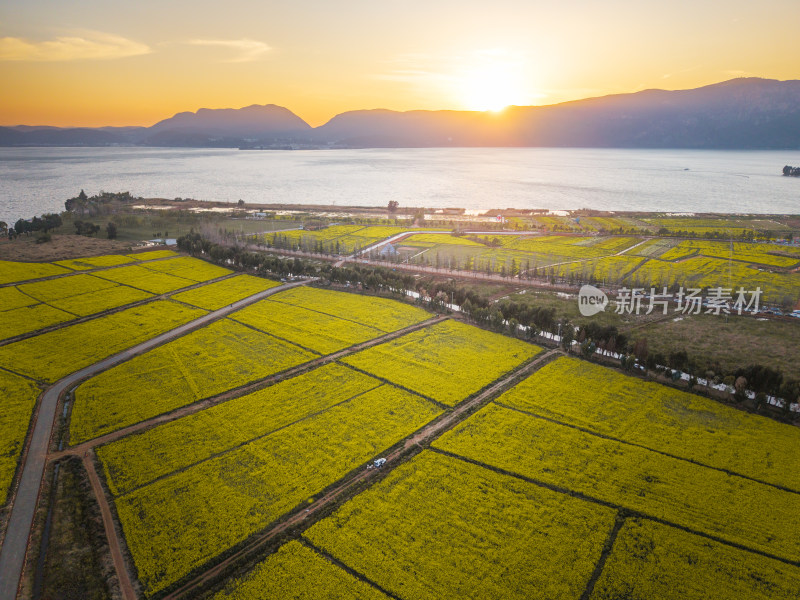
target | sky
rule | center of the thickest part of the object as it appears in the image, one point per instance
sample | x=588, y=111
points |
x=106, y=62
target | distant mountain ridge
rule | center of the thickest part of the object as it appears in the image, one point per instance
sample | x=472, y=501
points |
x=745, y=113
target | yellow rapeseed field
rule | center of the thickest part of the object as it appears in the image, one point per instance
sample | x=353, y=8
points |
x=144, y=279
x=662, y=418
x=438, y=527
x=222, y=293
x=188, y=268
x=11, y=272
x=313, y=330
x=448, y=361
x=381, y=313
x=18, y=396
x=139, y=459
x=179, y=522
x=53, y=355
x=657, y=562
x=152, y=255
x=205, y=362
x=94, y=302
x=295, y=571
x=680, y=492
x=30, y=318
x=94, y=262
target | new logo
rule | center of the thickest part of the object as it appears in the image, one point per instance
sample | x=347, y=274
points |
x=591, y=300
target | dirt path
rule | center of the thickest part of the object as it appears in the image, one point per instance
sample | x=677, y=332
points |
x=26, y=498
x=125, y=585
x=426, y=433
x=80, y=449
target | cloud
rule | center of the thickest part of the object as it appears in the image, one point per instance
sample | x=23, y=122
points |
x=85, y=46
x=247, y=50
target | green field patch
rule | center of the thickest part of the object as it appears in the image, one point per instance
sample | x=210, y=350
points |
x=437, y=527
x=661, y=418
x=178, y=523
x=448, y=361
x=140, y=458
x=702, y=499
x=222, y=293
x=203, y=363
x=657, y=562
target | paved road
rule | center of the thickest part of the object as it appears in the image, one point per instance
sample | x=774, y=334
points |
x=15, y=544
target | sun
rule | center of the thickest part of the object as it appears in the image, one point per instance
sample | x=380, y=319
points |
x=492, y=86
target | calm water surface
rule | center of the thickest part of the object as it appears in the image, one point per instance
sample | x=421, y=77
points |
x=38, y=180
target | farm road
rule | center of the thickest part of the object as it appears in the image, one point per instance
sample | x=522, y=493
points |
x=24, y=502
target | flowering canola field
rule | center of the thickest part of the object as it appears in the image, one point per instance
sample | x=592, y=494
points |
x=200, y=364
x=447, y=361
x=17, y=400
x=138, y=459
x=653, y=561
x=661, y=418
x=222, y=293
x=309, y=329
x=677, y=491
x=52, y=355
x=438, y=527
x=381, y=313
x=181, y=521
x=296, y=571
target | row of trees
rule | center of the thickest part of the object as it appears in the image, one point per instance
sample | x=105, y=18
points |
x=44, y=224
x=513, y=318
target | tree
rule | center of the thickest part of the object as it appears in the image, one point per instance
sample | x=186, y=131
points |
x=240, y=204
x=22, y=226
x=111, y=230
x=393, y=205
x=3, y=228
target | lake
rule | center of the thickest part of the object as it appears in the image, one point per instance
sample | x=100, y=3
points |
x=38, y=180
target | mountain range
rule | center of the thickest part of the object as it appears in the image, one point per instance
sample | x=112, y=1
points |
x=744, y=113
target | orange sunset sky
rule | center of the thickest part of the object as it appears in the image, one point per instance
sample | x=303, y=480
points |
x=95, y=63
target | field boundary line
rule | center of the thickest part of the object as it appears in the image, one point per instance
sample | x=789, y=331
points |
x=345, y=567
x=608, y=547
x=77, y=271
x=385, y=381
x=272, y=335
x=403, y=448
x=643, y=447
x=111, y=311
x=236, y=392
x=628, y=511
x=245, y=442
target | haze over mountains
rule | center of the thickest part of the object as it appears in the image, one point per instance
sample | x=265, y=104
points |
x=746, y=113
